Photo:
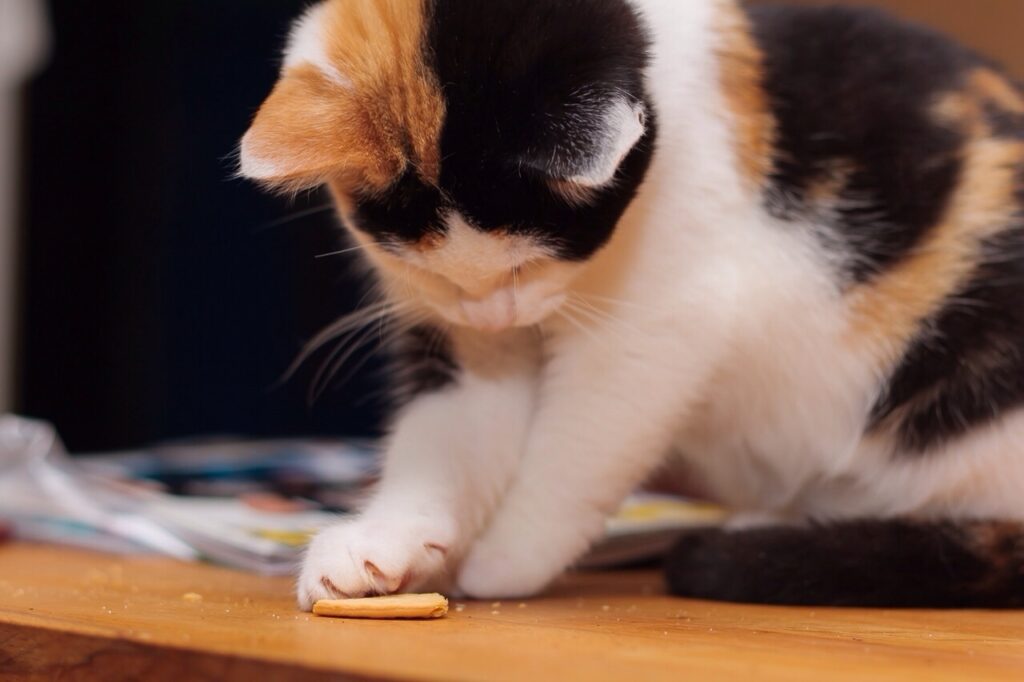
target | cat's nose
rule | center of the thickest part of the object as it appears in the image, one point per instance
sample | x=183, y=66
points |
x=492, y=313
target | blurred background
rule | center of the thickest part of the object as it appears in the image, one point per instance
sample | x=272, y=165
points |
x=145, y=294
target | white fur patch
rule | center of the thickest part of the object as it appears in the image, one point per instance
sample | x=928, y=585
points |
x=306, y=45
x=252, y=166
x=623, y=127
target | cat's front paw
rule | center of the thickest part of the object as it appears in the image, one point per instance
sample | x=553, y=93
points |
x=492, y=571
x=362, y=558
x=523, y=551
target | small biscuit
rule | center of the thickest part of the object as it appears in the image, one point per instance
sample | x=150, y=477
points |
x=396, y=606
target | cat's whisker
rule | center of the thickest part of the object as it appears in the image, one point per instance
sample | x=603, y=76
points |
x=410, y=288
x=358, y=247
x=603, y=318
x=401, y=329
x=410, y=321
x=515, y=286
x=295, y=217
x=342, y=252
x=347, y=349
x=618, y=302
x=439, y=336
x=342, y=328
x=330, y=366
x=601, y=326
x=565, y=311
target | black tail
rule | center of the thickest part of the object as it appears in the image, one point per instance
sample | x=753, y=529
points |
x=905, y=564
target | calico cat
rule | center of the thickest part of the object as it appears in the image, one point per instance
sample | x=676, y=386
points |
x=776, y=251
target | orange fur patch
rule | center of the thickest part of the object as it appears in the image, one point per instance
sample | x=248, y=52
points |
x=742, y=75
x=834, y=178
x=994, y=87
x=364, y=130
x=379, y=46
x=431, y=241
x=887, y=312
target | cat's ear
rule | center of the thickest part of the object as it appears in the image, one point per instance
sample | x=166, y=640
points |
x=312, y=129
x=586, y=144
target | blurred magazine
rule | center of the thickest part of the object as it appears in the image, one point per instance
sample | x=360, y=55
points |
x=251, y=505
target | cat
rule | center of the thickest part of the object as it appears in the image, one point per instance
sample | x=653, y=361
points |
x=776, y=252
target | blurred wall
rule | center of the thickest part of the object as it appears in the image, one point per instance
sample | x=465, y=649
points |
x=995, y=27
x=163, y=298
x=22, y=44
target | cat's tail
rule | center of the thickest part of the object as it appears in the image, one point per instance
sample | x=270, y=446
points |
x=900, y=564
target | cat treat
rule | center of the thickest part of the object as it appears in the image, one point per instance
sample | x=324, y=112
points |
x=392, y=607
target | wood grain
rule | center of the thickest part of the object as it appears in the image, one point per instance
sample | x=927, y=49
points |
x=81, y=616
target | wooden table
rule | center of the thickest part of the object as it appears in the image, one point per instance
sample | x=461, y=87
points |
x=78, y=616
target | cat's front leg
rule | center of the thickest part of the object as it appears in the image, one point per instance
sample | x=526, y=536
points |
x=448, y=462
x=607, y=414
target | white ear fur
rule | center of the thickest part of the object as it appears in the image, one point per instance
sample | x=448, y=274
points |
x=624, y=125
x=253, y=166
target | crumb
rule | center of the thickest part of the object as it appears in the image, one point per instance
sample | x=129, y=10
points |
x=460, y=608
x=192, y=597
x=522, y=605
x=606, y=608
x=495, y=613
x=496, y=605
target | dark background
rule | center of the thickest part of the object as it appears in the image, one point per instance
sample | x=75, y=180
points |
x=159, y=300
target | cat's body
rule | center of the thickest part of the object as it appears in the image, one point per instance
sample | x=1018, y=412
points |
x=780, y=253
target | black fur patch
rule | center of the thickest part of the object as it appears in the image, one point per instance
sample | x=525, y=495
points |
x=1004, y=124
x=967, y=367
x=525, y=84
x=403, y=215
x=851, y=89
x=868, y=564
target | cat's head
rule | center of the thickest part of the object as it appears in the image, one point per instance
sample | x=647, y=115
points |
x=481, y=150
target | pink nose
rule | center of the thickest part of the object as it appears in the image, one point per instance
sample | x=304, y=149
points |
x=493, y=313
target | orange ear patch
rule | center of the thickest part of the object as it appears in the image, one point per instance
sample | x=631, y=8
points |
x=377, y=113
x=309, y=131
x=741, y=64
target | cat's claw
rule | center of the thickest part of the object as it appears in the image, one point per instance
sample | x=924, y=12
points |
x=363, y=558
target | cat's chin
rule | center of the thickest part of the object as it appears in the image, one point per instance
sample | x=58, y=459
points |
x=500, y=311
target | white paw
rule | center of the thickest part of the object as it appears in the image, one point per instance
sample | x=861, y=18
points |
x=523, y=552
x=363, y=558
x=491, y=571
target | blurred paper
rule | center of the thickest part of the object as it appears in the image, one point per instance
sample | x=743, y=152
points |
x=251, y=505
